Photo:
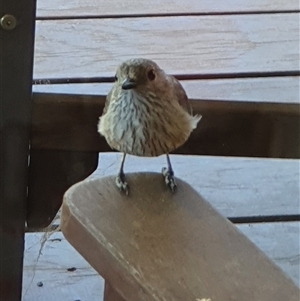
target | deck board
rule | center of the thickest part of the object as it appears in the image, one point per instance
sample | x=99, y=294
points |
x=75, y=8
x=193, y=46
x=51, y=269
x=270, y=90
x=278, y=240
x=236, y=187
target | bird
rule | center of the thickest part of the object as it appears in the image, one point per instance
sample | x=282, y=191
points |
x=146, y=113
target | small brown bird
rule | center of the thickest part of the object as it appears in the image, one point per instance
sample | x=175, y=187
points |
x=146, y=113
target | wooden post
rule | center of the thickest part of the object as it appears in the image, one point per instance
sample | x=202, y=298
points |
x=16, y=61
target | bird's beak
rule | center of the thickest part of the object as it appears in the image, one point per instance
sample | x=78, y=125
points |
x=128, y=84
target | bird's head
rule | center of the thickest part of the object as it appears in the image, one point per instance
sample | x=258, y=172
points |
x=138, y=74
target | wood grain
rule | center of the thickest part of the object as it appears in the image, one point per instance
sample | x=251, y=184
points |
x=68, y=122
x=236, y=187
x=110, y=294
x=64, y=8
x=180, y=45
x=155, y=245
x=271, y=89
x=279, y=241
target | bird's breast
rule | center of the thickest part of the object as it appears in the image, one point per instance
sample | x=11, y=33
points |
x=144, y=126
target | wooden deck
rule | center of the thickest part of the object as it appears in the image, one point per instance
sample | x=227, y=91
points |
x=247, y=204
x=232, y=58
x=278, y=240
x=51, y=268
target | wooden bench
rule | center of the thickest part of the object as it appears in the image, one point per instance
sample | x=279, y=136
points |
x=154, y=245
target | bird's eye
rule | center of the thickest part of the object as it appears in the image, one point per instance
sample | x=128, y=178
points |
x=116, y=78
x=151, y=74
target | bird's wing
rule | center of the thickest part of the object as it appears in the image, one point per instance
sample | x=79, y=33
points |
x=181, y=95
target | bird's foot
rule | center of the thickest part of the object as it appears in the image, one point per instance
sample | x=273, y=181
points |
x=122, y=184
x=169, y=179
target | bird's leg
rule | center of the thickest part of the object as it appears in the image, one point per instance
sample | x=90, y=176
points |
x=120, y=179
x=169, y=176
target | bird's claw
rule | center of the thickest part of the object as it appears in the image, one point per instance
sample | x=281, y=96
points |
x=169, y=179
x=122, y=184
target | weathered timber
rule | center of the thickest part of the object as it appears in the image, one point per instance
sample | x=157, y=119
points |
x=279, y=241
x=283, y=90
x=242, y=128
x=237, y=187
x=154, y=245
x=190, y=45
x=117, y=8
x=110, y=294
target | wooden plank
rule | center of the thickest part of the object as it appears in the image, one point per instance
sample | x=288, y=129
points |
x=68, y=122
x=136, y=243
x=279, y=241
x=75, y=8
x=180, y=45
x=266, y=89
x=236, y=187
x=110, y=294
x=271, y=237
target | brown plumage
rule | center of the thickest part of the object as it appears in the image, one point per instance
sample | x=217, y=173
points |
x=147, y=113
